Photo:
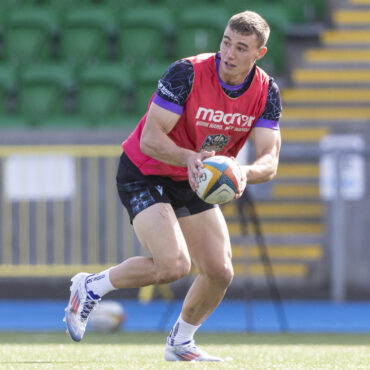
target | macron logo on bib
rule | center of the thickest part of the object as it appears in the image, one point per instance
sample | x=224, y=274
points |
x=218, y=116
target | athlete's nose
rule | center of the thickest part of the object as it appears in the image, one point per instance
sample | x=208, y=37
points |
x=230, y=53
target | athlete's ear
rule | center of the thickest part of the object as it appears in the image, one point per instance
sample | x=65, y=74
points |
x=261, y=52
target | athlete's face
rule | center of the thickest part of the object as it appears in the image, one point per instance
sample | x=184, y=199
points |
x=238, y=54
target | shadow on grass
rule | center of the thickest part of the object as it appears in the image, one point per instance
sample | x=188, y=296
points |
x=150, y=338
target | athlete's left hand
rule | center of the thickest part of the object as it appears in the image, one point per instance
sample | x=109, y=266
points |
x=243, y=179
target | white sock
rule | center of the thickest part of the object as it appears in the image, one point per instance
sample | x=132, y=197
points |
x=100, y=283
x=181, y=332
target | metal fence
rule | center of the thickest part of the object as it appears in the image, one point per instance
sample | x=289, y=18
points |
x=60, y=212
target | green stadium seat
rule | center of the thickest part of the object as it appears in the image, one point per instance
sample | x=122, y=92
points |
x=59, y=6
x=28, y=35
x=233, y=6
x=43, y=91
x=147, y=82
x=86, y=33
x=104, y=94
x=8, y=85
x=277, y=17
x=200, y=30
x=145, y=33
x=119, y=5
x=304, y=11
x=8, y=5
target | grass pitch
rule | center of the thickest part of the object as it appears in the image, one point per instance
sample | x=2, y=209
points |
x=145, y=351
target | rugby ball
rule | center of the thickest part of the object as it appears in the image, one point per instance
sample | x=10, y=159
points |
x=220, y=180
x=107, y=317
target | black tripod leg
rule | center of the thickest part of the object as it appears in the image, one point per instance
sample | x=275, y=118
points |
x=269, y=273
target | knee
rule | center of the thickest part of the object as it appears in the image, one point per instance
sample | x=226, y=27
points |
x=222, y=276
x=174, y=270
x=227, y=275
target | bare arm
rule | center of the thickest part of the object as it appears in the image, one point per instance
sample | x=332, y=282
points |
x=267, y=145
x=156, y=144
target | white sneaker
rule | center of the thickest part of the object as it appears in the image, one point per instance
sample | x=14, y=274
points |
x=187, y=352
x=80, y=305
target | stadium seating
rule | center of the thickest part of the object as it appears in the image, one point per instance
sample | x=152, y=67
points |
x=232, y=5
x=104, y=94
x=302, y=11
x=42, y=92
x=200, y=29
x=278, y=19
x=60, y=7
x=147, y=81
x=8, y=82
x=7, y=86
x=145, y=34
x=121, y=5
x=28, y=35
x=86, y=33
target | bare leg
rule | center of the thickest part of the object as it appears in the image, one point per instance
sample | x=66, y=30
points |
x=208, y=242
x=159, y=232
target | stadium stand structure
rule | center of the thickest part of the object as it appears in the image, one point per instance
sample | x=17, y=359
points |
x=85, y=35
x=145, y=34
x=329, y=87
x=199, y=29
x=104, y=94
x=43, y=91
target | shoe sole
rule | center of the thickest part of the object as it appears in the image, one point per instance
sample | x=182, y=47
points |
x=170, y=356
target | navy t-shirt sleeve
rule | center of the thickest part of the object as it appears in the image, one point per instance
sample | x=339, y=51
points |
x=272, y=113
x=174, y=86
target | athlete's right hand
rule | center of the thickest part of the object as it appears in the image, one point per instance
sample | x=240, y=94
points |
x=195, y=163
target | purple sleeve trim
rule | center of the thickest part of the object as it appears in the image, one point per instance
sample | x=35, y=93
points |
x=172, y=107
x=274, y=125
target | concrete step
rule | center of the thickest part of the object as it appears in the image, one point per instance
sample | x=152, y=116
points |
x=298, y=171
x=280, y=270
x=326, y=77
x=279, y=239
x=352, y=17
x=295, y=191
x=303, y=134
x=280, y=228
x=338, y=56
x=359, y=2
x=353, y=5
x=278, y=210
x=325, y=95
x=346, y=37
x=297, y=252
x=327, y=114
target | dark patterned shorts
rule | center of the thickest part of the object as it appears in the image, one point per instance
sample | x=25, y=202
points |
x=138, y=191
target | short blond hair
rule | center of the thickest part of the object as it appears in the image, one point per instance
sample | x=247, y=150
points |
x=249, y=23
